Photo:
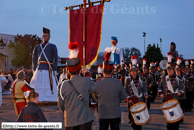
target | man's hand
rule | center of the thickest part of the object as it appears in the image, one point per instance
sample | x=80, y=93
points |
x=179, y=94
x=130, y=101
x=146, y=96
x=84, y=70
x=162, y=95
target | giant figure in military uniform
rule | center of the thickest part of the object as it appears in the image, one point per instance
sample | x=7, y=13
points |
x=171, y=87
x=44, y=65
x=136, y=89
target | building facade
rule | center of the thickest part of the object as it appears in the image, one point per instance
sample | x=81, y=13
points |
x=6, y=53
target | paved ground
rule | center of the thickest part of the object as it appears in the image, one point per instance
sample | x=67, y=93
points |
x=53, y=114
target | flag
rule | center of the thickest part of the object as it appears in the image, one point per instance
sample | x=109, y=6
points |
x=93, y=32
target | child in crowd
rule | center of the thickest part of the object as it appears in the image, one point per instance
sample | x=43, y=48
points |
x=32, y=113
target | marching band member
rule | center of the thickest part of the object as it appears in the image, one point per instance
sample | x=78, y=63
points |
x=99, y=76
x=145, y=74
x=123, y=73
x=136, y=90
x=109, y=111
x=178, y=71
x=171, y=87
x=188, y=86
x=44, y=64
x=115, y=72
x=192, y=71
x=153, y=82
x=18, y=89
x=73, y=94
x=117, y=53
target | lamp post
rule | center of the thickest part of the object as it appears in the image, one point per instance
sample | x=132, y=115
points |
x=161, y=44
x=144, y=35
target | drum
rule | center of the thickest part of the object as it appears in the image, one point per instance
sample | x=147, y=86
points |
x=140, y=113
x=172, y=111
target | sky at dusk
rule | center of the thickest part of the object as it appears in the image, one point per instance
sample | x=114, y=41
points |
x=173, y=21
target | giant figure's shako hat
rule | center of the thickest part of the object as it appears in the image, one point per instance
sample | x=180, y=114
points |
x=46, y=30
x=133, y=65
x=144, y=64
x=73, y=63
x=170, y=65
x=192, y=63
x=178, y=64
x=187, y=64
x=107, y=64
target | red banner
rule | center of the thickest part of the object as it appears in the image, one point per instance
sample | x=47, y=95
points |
x=94, y=15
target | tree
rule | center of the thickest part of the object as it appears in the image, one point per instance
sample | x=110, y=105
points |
x=23, y=47
x=153, y=54
x=135, y=51
x=181, y=56
x=100, y=56
x=128, y=52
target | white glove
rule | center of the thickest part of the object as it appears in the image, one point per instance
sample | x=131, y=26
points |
x=55, y=73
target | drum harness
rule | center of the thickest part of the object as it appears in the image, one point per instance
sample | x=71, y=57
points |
x=170, y=86
x=135, y=89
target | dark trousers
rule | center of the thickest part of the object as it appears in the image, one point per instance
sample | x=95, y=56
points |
x=189, y=101
x=114, y=124
x=133, y=125
x=173, y=126
x=86, y=126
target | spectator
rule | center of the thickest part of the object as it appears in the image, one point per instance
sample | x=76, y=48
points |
x=2, y=79
x=62, y=76
x=32, y=113
x=19, y=87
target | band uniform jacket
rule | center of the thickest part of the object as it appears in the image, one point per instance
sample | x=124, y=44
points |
x=152, y=79
x=110, y=92
x=176, y=82
x=140, y=84
x=75, y=112
x=188, y=81
x=51, y=53
x=146, y=76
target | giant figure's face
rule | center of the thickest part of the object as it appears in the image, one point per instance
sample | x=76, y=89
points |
x=113, y=42
x=45, y=37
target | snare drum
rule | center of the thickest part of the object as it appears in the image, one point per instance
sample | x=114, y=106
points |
x=172, y=111
x=140, y=113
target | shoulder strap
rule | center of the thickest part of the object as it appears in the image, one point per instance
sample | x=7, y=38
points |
x=78, y=94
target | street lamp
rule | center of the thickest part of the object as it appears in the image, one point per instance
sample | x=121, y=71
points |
x=144, y=35
x=161, y=44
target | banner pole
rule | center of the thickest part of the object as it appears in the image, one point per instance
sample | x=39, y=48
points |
x=84, y=32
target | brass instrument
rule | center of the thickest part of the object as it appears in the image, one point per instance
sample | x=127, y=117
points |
x=163, y=64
